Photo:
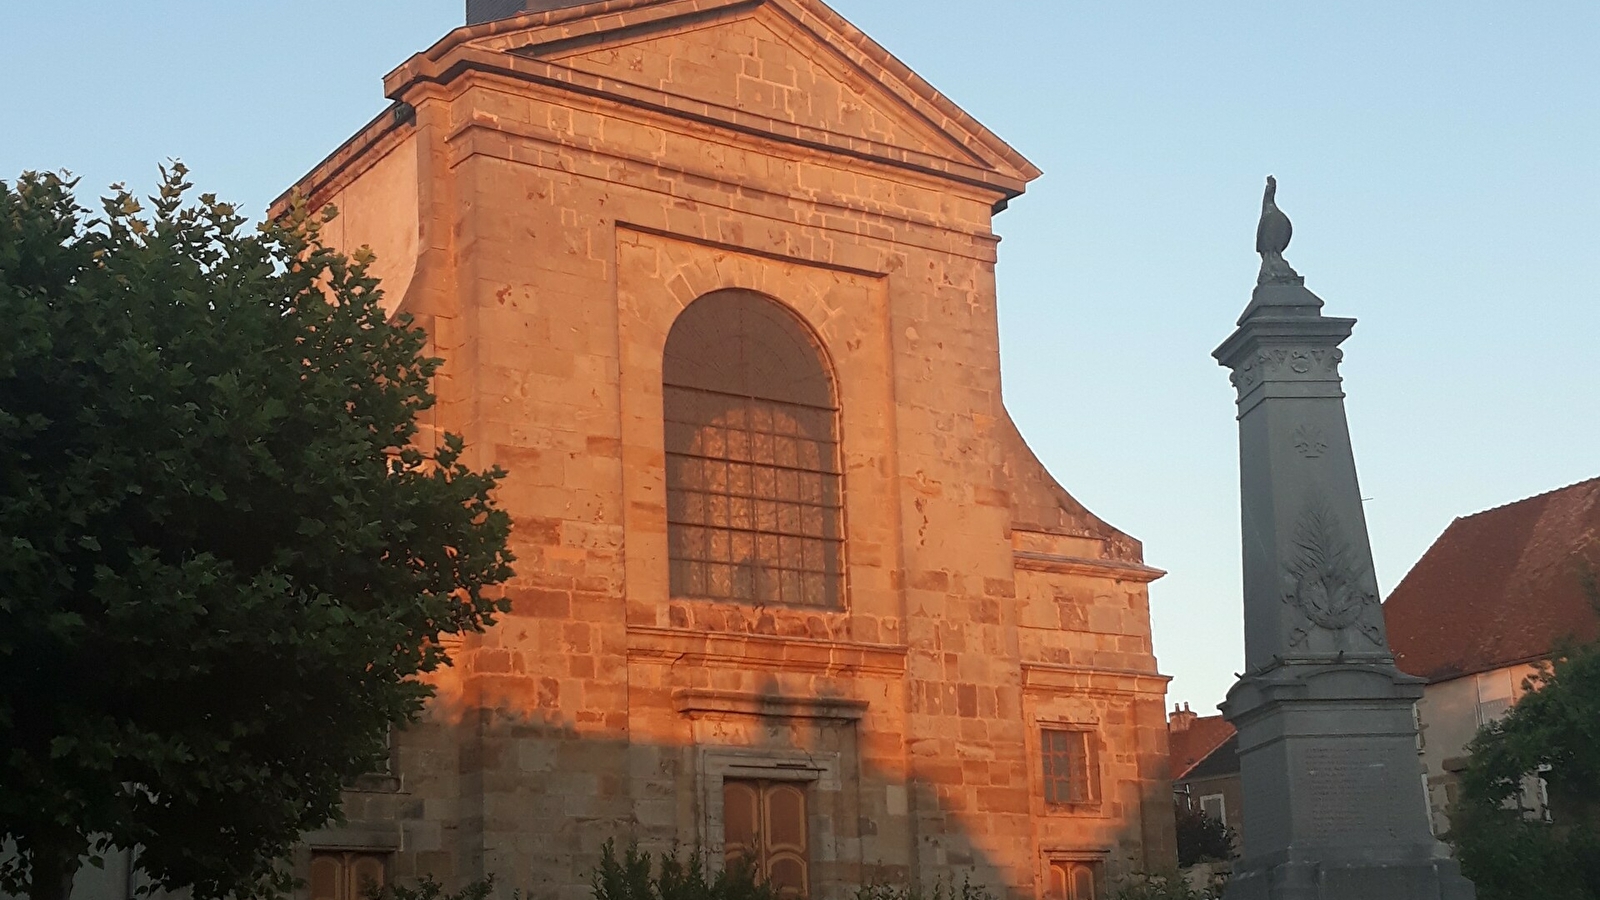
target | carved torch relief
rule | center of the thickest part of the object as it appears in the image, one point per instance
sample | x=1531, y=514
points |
x=1325, y=576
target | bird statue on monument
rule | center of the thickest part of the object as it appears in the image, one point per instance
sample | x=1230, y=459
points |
x=1272, y=238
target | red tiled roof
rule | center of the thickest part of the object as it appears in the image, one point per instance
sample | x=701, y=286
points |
x=1501, y=587
x=1186, y=747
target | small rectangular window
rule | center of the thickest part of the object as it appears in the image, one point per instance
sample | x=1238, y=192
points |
x=1070, y=773
x=1214, y=807
x=347, y=874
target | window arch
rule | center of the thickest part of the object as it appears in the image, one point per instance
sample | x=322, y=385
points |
x=752, y=454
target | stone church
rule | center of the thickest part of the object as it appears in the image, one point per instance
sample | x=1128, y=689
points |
x=714, y=281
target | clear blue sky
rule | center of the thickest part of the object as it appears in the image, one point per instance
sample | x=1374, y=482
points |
x=1440, y=160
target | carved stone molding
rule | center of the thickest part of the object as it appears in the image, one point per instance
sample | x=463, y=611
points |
x=1077, y=565
x=739, y=703
x=763, y=652
x=1070, y=679
x=1310, y=441
x=1286, y=364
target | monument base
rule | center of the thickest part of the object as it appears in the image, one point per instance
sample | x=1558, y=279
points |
x=1333, y=786
x=1334, y=879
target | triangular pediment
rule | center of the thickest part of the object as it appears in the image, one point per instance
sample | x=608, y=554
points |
x=789, y=69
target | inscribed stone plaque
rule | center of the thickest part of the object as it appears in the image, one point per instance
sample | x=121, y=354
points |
x=1346, y=786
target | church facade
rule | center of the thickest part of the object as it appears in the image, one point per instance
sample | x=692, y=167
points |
x=714, y=283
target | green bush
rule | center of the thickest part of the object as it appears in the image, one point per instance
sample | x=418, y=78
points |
x=1161, y=886
x=428, y=889
x=942, y=889
x=1202, y=838
x=642, y=876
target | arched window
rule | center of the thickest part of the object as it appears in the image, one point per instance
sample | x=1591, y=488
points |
x=752, y=441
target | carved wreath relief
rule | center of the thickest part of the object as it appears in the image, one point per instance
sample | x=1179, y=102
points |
x=1324, y=578
x=1298, y=363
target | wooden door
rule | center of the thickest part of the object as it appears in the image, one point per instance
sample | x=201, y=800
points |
x=764, y=824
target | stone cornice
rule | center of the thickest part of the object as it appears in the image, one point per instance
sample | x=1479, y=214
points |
x=760, y=651
x=1040, y=676
x=1121, y=570
x=695, y=703
x=510, y=47
x=516, y=68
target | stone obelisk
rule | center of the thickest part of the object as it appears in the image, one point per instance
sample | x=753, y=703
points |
x=1333, y=788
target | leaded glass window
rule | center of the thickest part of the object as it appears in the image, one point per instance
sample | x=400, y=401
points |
x=754, y=502
x=1069, y=769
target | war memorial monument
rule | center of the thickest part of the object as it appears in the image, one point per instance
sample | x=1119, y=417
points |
x=1327, y=739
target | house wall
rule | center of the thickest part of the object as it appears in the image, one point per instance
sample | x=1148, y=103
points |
x=1228, y=786
x=1449, y=715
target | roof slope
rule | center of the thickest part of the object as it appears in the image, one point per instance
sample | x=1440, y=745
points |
x=1500, y=587
x=1222, y=761
x=1190, y=745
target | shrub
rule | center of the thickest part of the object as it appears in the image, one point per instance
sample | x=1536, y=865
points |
x=642, y=876
x=1161, y=886
x=1202, y=838
x=427, y=888
x=942, y=889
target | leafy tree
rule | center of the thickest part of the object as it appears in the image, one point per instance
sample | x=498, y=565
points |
x=1202, y=838
x=223, y=563
x=1553, y=732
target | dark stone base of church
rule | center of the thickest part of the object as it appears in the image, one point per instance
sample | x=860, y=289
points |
x=1436, y=879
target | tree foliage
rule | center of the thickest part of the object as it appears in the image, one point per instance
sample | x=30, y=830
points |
x=1202, y=838
x=223, y=564
x=1553, y=732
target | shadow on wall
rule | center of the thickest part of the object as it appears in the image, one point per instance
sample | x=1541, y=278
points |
x=822, y=798
x=531, y=801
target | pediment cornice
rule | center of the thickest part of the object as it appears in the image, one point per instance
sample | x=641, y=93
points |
x=918, y=128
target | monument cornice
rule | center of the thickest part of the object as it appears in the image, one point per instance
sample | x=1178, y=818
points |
x=1264, y=331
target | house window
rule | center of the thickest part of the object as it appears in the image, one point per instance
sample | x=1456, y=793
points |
x=1214, y=807
x=1070, y=774
x=764, y=824
x=752, y=453
x=347, y=875
x=1495, y=695
x=1074, y=880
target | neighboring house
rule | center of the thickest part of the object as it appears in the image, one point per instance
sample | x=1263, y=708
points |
x=714, y=280
x=1205, y=765
x=1494, y=595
